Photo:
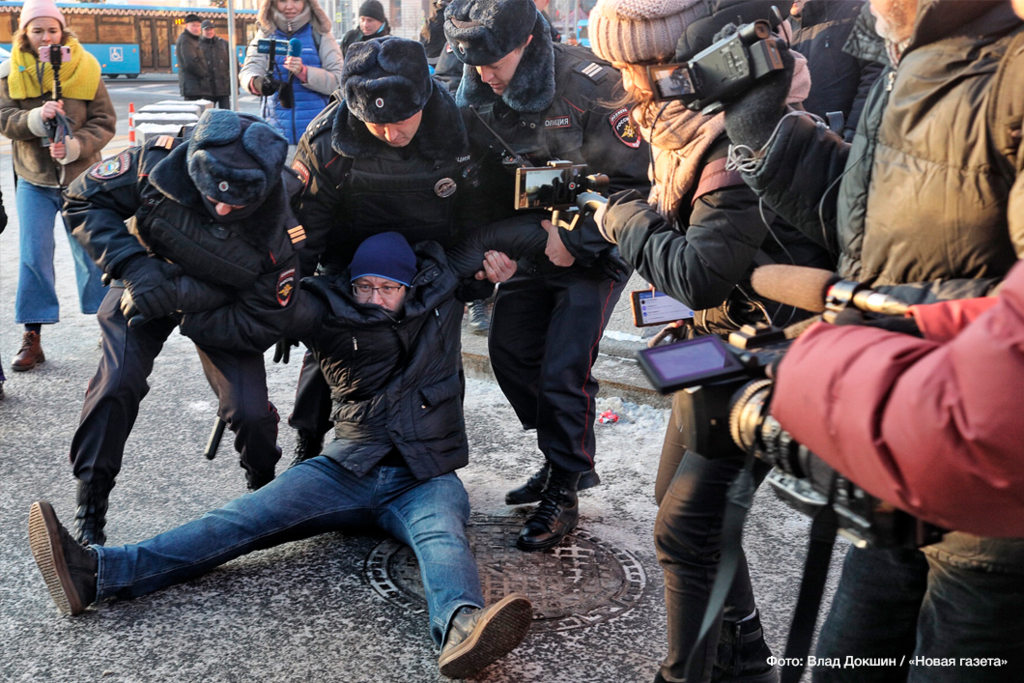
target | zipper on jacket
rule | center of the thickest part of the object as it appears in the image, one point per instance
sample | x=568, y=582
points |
x=355, y=343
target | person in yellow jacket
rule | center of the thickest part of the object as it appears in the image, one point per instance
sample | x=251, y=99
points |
x=54, y=140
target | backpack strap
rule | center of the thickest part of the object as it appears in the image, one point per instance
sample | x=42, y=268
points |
x=715, y=177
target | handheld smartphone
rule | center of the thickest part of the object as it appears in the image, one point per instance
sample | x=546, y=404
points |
x=651, y=307
x=46, y=54
x=266, y=46
x=688, y=363
x=545, y=186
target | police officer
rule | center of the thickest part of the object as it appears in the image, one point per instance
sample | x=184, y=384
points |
x=210, y=248
x=529, y=100
x=392, y=154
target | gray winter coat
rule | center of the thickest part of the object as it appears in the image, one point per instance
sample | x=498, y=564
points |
x=921, y=194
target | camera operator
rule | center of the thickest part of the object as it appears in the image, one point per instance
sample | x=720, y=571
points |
x=527, y=99
x=921, y=197
x=311, y=76
x=396, y=133
x=697, y=239
x=210, y=250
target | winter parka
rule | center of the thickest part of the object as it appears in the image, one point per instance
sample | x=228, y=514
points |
x=239, y=277
x=216, y=52
x=921, y=194
x=193, y=72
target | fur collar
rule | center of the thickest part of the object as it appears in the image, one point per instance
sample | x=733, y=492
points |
x=442, y=133
x=321, y=24
x=170, y=177
x=532, y=88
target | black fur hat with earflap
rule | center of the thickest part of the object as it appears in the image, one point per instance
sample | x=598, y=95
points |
x=235, y=158
x=481, y=32
x=386, y=80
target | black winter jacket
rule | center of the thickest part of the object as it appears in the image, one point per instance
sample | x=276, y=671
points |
x=923, y=189
x=395, y=379
x=356, y=36
x=215, y=50
x=839, y=81
x=356, y=186
x=704, y=259
x=239, y=277
x=193, y=73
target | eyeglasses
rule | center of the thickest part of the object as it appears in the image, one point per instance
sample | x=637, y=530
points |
x=367, y=291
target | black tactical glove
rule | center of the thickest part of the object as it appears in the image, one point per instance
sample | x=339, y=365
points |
x=266, y=85
x=751, y=118
x=613, y=265
x=892, y=323
x=283, y=350
x=150, y=289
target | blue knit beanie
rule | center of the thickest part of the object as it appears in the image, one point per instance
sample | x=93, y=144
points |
x=387, y=255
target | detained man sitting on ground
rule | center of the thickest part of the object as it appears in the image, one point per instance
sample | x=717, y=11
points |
x=400, y=432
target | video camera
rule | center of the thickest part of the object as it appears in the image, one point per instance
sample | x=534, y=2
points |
x=724, y=394
x=269, y=84
x=721, y=72
x=561, y=187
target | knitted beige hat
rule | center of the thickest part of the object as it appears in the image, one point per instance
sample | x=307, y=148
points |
x=634, y=31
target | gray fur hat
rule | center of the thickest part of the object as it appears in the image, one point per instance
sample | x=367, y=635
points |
x=235, y=158
x=386, y=80
x=483, y=31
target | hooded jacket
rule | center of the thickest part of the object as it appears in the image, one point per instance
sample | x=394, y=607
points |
x=923, y=189
x=931, y=425
x=395, y=378
x=239, y=277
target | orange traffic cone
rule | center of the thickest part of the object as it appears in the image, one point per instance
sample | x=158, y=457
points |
x=131, y=124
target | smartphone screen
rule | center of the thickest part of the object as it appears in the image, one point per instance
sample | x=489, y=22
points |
x=651, y=307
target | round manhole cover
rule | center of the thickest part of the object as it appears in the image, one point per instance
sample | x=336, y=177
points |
x=583, y=581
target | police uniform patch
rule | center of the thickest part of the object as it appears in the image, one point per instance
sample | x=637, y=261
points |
x=625, y=130
x=445, y=187
x=557, y=122
x=302, y=170
x=112, y=167
x=285, y=286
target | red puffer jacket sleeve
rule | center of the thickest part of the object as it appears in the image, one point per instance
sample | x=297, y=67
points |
x=934, y=428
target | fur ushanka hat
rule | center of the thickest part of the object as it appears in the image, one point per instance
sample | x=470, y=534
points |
x=235, y=158
x=386, y=80
x=483, y=31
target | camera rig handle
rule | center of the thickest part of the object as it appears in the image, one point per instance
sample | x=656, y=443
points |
x=587, y=204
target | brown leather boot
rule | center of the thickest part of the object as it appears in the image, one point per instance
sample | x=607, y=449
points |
x=30, y=354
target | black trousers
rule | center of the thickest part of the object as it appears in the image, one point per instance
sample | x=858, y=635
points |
x=543, y=342
x=239, y=381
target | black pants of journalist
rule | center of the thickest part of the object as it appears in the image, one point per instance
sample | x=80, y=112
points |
x=691, y=496
x=112, y=401
x=544, y=338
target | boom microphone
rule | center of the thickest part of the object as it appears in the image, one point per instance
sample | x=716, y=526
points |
x=798, y=286
x=818, y=290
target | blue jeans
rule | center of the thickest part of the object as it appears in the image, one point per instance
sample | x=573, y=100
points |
x=961, y=597
x=36, y=301
x=314, y=497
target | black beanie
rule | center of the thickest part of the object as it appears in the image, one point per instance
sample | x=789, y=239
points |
x=483, y=31
x=386, y=80
x=189, y=18
x=235, y=158
x=387, y=255
x=372, y=9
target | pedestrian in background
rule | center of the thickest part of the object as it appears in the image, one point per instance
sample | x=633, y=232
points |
x=372, y=24
x=216, y=54
x=193, y=73
x=52, y=141
x=312, y=76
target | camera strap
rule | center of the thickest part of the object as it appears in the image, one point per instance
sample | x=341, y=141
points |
x=812, y=586
x=738, y=501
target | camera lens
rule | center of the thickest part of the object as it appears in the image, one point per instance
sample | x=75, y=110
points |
x=748, y=404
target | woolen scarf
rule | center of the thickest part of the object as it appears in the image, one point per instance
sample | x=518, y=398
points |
x=79, y=78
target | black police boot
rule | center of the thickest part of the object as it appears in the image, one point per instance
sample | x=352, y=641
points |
x=478, y=637
x=91, y=513
x=742, y=655
x=556, y=515
x=257, y=480
x=307, y=446
x=68, y=567
x=531, y=491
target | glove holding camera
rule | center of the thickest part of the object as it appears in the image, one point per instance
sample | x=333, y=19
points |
x=150, y=290
x=266, y=85
x=751, y=118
